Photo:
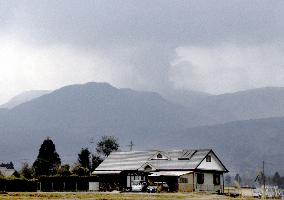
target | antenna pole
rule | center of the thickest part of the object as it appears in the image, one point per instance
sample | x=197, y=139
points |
x=131, y=145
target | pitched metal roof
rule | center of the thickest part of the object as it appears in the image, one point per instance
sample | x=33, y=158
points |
x=122, y=161
x=133, y=160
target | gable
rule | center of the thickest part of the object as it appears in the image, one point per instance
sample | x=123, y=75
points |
x=147, y=167
x=214, y=163
x=160, y=156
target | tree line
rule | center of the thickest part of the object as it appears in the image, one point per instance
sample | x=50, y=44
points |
x=48, y=162
x=274, y=180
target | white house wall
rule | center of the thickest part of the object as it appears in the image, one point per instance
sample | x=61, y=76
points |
x=213, y=165
x=208, y=184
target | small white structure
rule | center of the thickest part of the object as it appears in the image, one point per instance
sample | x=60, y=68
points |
x=94, y=186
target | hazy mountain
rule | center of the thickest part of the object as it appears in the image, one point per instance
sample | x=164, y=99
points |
x=185, y=97
x=74, y=114
x=24, y=97
x=250, y=104
x=243, y=145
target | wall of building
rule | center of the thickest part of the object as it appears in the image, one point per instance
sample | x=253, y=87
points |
x=188, y=186
x=213, y=165
x=208, y=184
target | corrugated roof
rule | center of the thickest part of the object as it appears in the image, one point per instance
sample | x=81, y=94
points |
x=122, y=161
x=133, y=160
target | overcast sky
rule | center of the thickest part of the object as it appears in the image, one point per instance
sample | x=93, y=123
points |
x=212, y=46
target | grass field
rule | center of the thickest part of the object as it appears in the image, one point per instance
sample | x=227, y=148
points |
x=113, y=196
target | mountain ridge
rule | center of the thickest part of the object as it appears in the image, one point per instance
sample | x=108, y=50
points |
x=243, y=144
x=23, y=98
x=74, y=114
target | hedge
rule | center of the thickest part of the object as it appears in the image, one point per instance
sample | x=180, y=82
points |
x=67, y=183
x=47, y=184
x=17, y=185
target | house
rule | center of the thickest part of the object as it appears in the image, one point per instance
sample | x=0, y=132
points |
x=7, y=172
x=182, y=170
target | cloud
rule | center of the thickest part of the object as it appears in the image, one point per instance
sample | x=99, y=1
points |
x=24, y=67
x=228, y=67
x=134, y=43
x=127, y=22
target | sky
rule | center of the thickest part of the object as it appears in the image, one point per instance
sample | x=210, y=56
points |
x=215, y=46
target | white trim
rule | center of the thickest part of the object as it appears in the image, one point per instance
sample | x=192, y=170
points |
x=170, y=173
x=105, y=172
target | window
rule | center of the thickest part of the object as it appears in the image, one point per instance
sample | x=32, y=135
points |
x=208, y=158
x=147, y=168
x=200, y=178
x=159, y=155
x=183, y=180
x=216, y=179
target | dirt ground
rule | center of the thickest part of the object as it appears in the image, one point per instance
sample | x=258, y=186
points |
x=113, y=196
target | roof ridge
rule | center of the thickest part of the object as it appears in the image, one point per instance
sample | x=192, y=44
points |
x=169, y=150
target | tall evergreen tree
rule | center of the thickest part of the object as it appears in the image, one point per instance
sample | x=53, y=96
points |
x=276, y=179
x=238, y=178
x=47, y=160
x=84, y=158
x=96, y=161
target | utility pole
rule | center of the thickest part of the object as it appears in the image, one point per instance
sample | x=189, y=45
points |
x=263, y=174
x=92, y=141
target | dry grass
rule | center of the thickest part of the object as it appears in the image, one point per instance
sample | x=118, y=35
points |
x=112, y=196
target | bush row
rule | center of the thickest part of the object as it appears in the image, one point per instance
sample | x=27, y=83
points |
x=17, y=185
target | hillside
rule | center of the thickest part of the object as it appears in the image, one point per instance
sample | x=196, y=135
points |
x=243, y=144
x=184, y=97
x=24, y=97
x=250, y=104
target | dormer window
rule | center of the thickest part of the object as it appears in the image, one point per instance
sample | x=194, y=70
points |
x=208, y=158
x=159, y=156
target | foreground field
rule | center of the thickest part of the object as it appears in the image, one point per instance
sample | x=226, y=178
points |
x=113, y=196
